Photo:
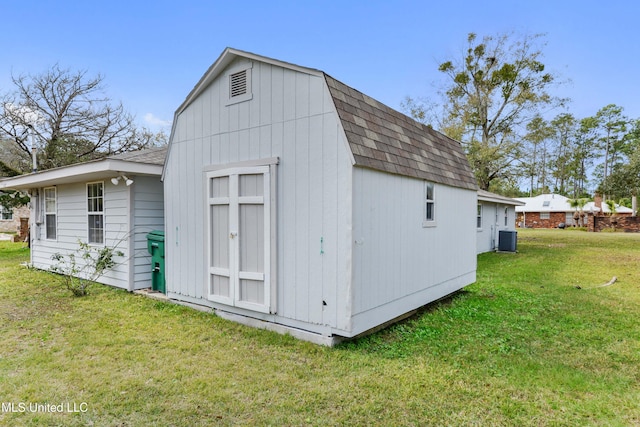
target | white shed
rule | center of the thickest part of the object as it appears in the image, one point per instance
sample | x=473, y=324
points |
x=80, y=202
x=495, y=213
x=296, y=203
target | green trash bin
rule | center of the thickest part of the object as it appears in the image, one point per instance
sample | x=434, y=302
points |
x=155, y=245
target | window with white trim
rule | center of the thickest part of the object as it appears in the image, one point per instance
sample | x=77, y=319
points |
x=50, y=213
x=479, y=217
x=429, y=204
x=545, y=215
x=6, y=213
x=95, y=212
x=506, y=216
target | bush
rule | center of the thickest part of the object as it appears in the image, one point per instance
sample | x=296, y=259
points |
x=83, y=267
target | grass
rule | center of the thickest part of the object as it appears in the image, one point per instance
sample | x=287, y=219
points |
x=534, y=341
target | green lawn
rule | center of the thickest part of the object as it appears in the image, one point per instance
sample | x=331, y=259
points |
x=534, y=342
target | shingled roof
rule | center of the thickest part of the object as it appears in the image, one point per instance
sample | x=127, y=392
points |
x=144, y=162
x=151, y=156
x=379, y=137
x=384, y=139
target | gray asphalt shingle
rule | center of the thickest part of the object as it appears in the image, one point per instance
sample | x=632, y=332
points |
x=387, y=140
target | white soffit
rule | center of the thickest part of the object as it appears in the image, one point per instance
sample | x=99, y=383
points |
x=80, y=172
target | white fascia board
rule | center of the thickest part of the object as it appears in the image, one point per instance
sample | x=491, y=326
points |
x=225, y=58
x=276, y=62
x=81, y=172
x=500, y=201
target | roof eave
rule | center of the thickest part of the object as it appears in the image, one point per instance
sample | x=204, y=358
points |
x=488, y=196
x=80, y=172
x=500, y=201
x=225, y=58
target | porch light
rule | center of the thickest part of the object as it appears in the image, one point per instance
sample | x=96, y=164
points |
x=126, y=180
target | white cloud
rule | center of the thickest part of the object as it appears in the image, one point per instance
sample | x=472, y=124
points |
x=23, y=113
x=152, y=120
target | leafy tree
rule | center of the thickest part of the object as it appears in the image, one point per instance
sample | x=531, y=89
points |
x=564, y=127
x=584, y=153
x=69, y=118
x=10, y=162
x=625, y=180
x=535, y=156
x=10, y=199
x=631, y=139
x=578, y=204
x=613, y=125
x=12, y=159
x=497, y=87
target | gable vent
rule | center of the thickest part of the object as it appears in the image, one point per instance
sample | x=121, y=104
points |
x=238, y=84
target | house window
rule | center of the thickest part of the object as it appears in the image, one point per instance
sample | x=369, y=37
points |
x=545, y=215
x=239, y=84
x=569, y=220
x=95, y=212
x=50, y=224
x=429, y=205
x=506, y=216
x=479, y=216
x=6, y=214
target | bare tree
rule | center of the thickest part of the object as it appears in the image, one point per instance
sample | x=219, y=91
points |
x=69, y=118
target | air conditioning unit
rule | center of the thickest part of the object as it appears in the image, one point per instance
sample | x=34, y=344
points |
x=507, y=241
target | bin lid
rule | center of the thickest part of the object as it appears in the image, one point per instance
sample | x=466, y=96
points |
x=156, y=235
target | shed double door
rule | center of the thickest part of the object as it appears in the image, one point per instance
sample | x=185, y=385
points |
x=239, y=237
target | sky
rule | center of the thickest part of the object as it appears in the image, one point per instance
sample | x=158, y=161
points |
x=152, y=53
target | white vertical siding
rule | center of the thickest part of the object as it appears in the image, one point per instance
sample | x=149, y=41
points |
x=290, y=117
x=148, y=215
x=400, y=265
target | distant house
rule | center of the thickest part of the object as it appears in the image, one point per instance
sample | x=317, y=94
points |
x=495, y=213
x=113, y=201
x=297, y=203
x=10, y=218
x=596, y=207
x=551, y=210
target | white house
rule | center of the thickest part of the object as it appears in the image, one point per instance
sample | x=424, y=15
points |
x=115, y=201
x=495, y=213
x=296, y=203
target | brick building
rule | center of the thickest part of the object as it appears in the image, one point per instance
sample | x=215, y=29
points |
x=10, y=218
x=554, y=210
